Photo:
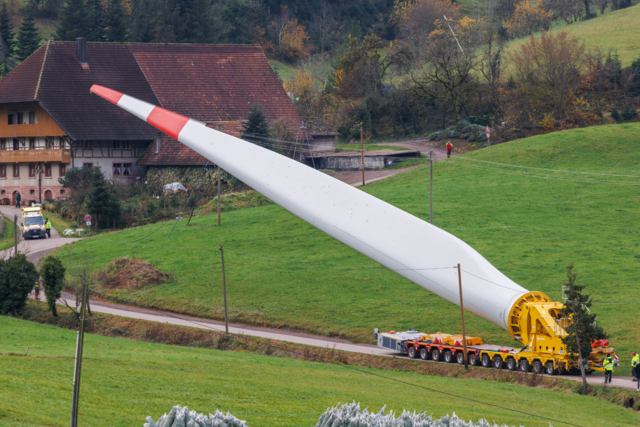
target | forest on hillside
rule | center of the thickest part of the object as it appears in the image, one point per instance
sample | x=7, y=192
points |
x=392, y=67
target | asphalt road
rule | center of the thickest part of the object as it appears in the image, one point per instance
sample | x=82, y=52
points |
x=34, y=249
x=287, y=336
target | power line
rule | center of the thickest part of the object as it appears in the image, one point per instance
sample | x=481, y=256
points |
x=489, y=281
x=455, y=162
x=363, y=371
x=545, y=169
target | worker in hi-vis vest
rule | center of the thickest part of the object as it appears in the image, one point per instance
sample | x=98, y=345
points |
x=635, y=361
x=47, y=227
x=608, y=368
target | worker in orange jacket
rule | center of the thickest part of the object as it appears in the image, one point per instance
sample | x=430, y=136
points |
x=449, y=148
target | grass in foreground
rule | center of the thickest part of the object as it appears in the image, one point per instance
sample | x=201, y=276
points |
x=530, y=224
x=124, y=381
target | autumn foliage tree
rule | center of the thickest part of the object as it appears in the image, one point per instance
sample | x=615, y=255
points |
x=290, y=37
x=548, y=72
x=527, y=19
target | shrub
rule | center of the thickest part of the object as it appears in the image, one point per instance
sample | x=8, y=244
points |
x=629, y=113
x=52, y=272
x=351, y=415
x=17, y=279
x=479, y=120
x=183, y=417
x=615, y=115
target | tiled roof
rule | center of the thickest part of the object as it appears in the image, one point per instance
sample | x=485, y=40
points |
x=206, y=82
x=316, y=126
x=174, y=153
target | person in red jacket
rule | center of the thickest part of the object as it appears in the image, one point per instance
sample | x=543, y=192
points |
x=449, y=148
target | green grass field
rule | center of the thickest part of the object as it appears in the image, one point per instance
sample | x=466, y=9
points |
x=529, y=223
x=617, y=30
x=124, y=381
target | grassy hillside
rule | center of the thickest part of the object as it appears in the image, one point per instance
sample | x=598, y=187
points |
x=617, y=30
x=529, y=223
x=124, y=381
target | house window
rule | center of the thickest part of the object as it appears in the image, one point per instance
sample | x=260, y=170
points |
x=47, y=170
x=32, y=191
x=3, y=171
x=32, y=170
x=116, y=144
x=126, y=144
x=16, y=144
x=117, y=169
x=87, y=165
x=12, y=119
x=32, y=118
x=50, y=142
x=61, y=191
x=126, y=169
x=3, y=144
x=16, y=171
x=32, y=143
x=87, y=144
x=63, y=169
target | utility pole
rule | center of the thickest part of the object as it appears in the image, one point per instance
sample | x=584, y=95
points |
x=77, y=369
x=219, y=199
x=39, y=183
x=15, y=235
x=362, y=154
x=431, y=153
x=464, y=335
x=224, y=291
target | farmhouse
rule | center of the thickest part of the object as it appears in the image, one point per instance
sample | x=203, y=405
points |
x=49, y=121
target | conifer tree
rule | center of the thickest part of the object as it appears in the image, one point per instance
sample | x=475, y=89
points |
x=102, y=203
x=114, y=22
x=73, y=21
x=582, y=330
x=96, y=27
x=6, y=30
x=256, y=128
x=138, y=26
x=28, y=37
x=198, y=22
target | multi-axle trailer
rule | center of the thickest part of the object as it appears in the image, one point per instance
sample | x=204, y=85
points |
x=413, y=248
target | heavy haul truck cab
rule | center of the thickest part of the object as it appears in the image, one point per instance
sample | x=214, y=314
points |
x=32, y=225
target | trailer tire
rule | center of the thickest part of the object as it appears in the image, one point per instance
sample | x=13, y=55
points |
x=448, y=356
x=512, y=365
x=412, y=353
x=460, y=358
x=550, y=369
x=472, y=359
x=537, y=367
x=485, y=361
x=498, y=362
x=435, y=355
x=424, y=354
x=524, y=365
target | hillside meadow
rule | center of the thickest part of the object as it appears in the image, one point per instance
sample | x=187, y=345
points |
x=124, y=381
x=529, y=223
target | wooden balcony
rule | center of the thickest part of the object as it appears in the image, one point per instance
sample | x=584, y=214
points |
x=35, y=156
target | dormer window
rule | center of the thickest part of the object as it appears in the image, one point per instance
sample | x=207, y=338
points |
x=22, y=118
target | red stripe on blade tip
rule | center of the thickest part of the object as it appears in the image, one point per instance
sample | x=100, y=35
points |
x=167, y=121
x=106, y=93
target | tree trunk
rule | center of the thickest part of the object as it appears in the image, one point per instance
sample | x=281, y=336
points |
x=587, y=9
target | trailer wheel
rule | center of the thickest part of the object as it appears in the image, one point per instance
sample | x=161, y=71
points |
x=435, y=355
x=460, y=358
x=550, y=369
x=424, y=354
x=537, y=367
x=486, y=361
x=524, y=365
x=472, y=359
x=411, y=351
x=511, y=364
x=497, y=362
x=448, y=356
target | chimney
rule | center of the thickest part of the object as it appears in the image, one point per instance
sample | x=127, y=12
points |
x=81, y=50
